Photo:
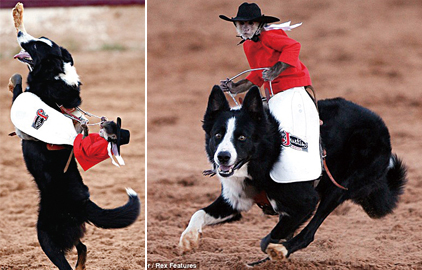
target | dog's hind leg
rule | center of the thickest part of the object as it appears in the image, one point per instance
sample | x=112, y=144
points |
x=80, y=264
x=329, y=201
x=54, y=253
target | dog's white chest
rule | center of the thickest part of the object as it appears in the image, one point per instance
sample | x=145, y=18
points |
x=234, y=190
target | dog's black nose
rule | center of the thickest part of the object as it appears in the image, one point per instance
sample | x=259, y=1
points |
x=20, y=33
x=223, y=157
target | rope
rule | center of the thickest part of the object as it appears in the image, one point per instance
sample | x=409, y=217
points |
x=87, y=113
x=330, y=175
x=234, y=99
x=243, y=72
x=78, y=119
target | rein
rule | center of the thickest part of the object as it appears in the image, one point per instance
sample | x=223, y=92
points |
x=87, y=113
x=213, y=171
x=68, y=114
x=329, y=174
x=243, y=72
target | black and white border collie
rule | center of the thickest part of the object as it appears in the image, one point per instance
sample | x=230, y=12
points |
x=244, y=143
x=52, y=76
x=64, y=206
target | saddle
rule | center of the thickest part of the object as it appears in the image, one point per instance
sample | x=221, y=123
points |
x=31, y=116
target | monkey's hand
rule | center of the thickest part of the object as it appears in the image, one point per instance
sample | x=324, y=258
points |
x=235, y=87
x=226, y=85
x=271, y=73
x=84, y=126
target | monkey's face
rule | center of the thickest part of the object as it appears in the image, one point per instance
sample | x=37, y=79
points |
x=246, y=29
x=109, y=131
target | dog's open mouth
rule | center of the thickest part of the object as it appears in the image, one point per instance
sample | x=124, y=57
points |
x=226, y=171
x=24, y=57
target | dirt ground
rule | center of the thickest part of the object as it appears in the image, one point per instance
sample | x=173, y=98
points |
x=107, y=45
x=368, y=52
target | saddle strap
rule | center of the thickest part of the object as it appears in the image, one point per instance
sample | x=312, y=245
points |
x=54, y=147
x=314, y=99
x=262, y=201
x=329, y=174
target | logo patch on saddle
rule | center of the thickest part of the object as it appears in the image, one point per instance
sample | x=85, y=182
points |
x=39, y=119
x=289, y=140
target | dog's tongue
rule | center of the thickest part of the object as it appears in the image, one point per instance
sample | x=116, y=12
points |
x=22, y=55
x=225, y=168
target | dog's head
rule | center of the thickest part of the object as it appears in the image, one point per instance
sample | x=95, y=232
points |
x=232, y=135
x=52, y=75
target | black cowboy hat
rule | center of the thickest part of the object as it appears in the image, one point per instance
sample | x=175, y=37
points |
x=250, y=12
x=123, y=135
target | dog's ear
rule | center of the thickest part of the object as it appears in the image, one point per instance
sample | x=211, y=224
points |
x=253, y=104
x=67, y=58
x=217, y=103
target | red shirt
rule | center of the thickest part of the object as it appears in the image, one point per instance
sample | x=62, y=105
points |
x=91, y=150
x=274, y=46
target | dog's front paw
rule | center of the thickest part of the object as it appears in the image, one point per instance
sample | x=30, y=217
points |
x=277, y=252
x=189, y=240
x=13, y=81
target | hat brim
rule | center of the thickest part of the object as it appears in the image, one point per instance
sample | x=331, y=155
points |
x=263, y=19
x=119, y=126
x=123, y=135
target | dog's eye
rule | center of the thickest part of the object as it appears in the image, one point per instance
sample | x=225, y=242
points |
x=241, y=138
x=218, y=136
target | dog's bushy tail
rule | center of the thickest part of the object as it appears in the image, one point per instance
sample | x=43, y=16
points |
x=119, y=217
x=382, y=201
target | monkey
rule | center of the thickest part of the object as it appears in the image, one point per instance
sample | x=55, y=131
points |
x=108, y=130
x=247, y=29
